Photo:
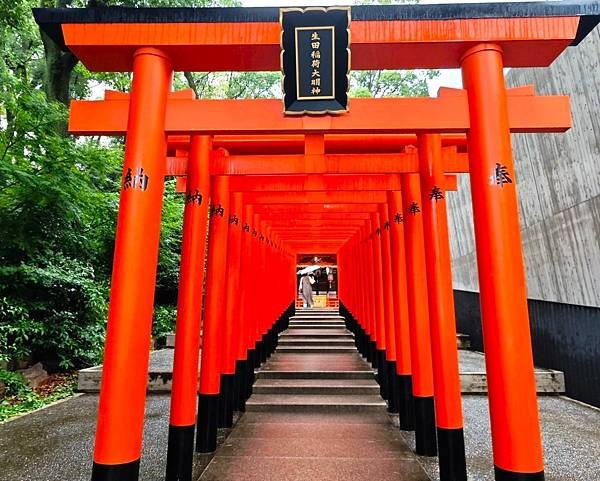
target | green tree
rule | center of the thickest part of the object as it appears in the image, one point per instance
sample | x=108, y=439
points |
x=391, y=83
x=54, y=192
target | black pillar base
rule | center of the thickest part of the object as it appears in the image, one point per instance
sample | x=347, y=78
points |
x=382, y=373
x=206, y=425
x=406, y=402
x=264, y=353
x=180, y=453
x=271, y=336
x=258, y=354
x=116, y=472
x=226, y=401
x=503, y=475
x=451, y=449
x=239, y=400
x=366, y=346
x=250, y=372
x=361, y=341
x=373, y=349
x=393, y=401
x=425, y=426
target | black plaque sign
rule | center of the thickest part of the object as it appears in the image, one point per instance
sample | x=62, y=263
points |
x=315, y=59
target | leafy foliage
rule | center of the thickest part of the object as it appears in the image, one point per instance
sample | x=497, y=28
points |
x=13, y=383
x=390, y=83
x=164, y=321
x=51, y=311
x=167, y=279
x=17, y=397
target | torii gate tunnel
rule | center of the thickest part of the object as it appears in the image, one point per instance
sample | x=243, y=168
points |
x=368, y=185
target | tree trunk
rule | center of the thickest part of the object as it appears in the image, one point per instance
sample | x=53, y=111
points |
x=59, y=67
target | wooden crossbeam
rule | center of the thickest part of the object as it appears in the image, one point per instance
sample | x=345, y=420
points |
x=377, y=197
x=383, y=37
x=527, y=113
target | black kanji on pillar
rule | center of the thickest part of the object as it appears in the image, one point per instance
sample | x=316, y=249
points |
x=436, y=193
x=502, y=175
x=217, y=210
x=138, y=181
x=193, y=198
x=414, y=208
x=315, y=61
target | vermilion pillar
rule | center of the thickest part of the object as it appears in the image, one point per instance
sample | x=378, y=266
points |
x=263, y=316
x=446, y=377
x=257, y=266
x=246, y=276
x=507, y=339
x=125, y=374
x=376, y=269
x=388, y=309
x=365, y=315
x=234, y=309
x=368, y=298
x=189, y=310
x=401, y=317
x=350, y=278
x=230, y=323
x=212, y=360
x=259, y=315
x=420, y=348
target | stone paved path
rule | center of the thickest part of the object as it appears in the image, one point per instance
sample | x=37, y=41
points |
x=315, y=414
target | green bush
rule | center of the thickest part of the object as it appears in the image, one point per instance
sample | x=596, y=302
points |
x=164, y=321
x=13, y=384
x=17, y=396
x=53, y=312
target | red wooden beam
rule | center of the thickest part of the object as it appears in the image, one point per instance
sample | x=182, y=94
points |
x=244, y=39
x=334, y=143
x=316, y=183
x=371, y=197
x=367, y=116
x=281, y=165
x=311, y=183
x=314, y=208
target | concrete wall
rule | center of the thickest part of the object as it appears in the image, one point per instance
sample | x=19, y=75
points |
x=558, y=179
x=564, y=337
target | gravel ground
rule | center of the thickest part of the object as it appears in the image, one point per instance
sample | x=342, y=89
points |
x=570, y=432
x=55, y=444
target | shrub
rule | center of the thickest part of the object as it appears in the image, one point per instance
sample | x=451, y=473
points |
x=12, y=383
x=164, y=321
x=53, y=311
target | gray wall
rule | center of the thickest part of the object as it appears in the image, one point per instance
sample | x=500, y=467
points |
x=558, y=178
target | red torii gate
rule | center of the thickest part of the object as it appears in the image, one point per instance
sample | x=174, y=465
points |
x=479, y=39
x=331, y=199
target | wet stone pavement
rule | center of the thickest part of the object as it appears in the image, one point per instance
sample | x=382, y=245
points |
x=313, y=446
x=296, y=428
x=55, y=444
x=315, y=415
x=570, y=435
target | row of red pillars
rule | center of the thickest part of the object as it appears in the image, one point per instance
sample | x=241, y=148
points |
x=236, y=334
x=239, y=329
x=403, y=317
